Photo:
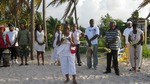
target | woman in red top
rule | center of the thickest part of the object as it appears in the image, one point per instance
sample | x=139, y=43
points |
x=4, y=41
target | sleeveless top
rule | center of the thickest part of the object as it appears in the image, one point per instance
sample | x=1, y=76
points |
x=56, y=38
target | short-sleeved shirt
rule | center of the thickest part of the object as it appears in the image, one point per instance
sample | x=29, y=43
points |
x=23, y=37
x=90, y=32
x=12, y=37
x=136, y=37
x=111, y=35
x=77, y=36
x=126, y=33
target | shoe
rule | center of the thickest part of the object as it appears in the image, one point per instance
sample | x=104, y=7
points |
x=89, y=67
x=95, y=68
x=132, y=69
x=118, y=74
x=79, y=64
x=21, y=64
x=16, y=61
x=26, y=64
x=138, y=70
x=106, y=72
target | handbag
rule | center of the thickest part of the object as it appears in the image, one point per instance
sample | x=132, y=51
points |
x=73, y=49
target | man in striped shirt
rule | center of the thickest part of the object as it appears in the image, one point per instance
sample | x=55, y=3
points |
x=112, y=43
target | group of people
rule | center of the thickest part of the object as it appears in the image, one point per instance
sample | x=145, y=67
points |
x=11, y=40
x=18, y=41
x=66, y=46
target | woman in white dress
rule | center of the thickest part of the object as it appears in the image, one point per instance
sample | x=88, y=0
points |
x=56, y=43
x=39, y=44
x=67, y=58
x=135, y=39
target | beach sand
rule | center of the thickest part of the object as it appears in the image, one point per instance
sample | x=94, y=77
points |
x=51, y=74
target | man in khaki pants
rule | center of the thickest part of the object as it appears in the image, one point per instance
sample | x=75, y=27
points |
x=126, y=43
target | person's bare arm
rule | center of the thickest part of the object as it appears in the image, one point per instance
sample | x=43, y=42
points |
x=89, y=42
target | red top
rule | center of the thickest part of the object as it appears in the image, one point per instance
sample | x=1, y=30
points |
x=2, y=44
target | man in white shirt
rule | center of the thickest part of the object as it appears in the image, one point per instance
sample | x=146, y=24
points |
x=77, y=33
x=12, y=34
x=91, y=35
x=126, y=43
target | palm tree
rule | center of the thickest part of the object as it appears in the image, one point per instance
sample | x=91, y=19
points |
x=71, y=8
x=143, y=4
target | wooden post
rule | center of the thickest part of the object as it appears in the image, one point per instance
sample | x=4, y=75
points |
x=145, y=32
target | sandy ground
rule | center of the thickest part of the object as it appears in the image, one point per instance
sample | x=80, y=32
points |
x=51, y=74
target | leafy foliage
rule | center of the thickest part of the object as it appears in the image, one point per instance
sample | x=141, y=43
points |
x=51, y=28
x=104, y=26
x=145, y=52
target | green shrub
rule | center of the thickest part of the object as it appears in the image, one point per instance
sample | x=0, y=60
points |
x=50, y=43
x=82, y=50
x=148, y=40
x=101, y=42
x=146, y=52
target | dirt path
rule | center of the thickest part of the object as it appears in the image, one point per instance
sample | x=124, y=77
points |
x=51, y=74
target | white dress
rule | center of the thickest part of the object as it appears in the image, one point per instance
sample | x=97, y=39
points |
x=138, y=51
x=40, y=39
x=66, y=58
x=54, y=55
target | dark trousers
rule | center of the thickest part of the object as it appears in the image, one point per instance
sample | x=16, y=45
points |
x=78, y=53
x=13, y=52
x=113, y=54
x=1, y=53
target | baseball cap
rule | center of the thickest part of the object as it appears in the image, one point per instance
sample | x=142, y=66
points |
x=10, y=25
x=2, y=27
x=129, y=22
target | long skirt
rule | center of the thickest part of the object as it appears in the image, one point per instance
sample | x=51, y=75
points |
x=54, y=55
x=68, y=65
x=67, y=59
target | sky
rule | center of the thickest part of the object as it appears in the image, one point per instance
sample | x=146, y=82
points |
x=95, y=9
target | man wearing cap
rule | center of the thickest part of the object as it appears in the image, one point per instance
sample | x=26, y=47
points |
x=126, y=43
x=4, y=41
x=12, y=34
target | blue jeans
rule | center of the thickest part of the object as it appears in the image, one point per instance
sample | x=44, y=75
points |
x=95, y=57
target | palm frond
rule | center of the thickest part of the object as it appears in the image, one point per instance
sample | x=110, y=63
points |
x=53, y=3
x=69, y=6
x=143, y=4
x=38, y=3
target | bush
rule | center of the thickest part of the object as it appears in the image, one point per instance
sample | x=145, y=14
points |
x=146, y=52
x=50, y=43
x=101, y=42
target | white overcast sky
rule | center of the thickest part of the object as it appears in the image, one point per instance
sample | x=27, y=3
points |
x=87, y=9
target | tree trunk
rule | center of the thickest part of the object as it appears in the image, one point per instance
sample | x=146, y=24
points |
x=32, y=27
x=16, y=18
x=75, y=13
x=44, y=22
